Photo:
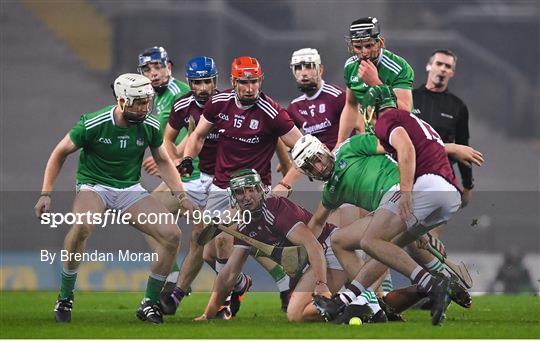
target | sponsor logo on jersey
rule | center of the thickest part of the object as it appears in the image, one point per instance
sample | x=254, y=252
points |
x=223, y=116
x=354, y=79
x=416, y=112
x=123, y=137
x=251, y=140
x=316, y=128
x=104, y=140
x=446, y=115
x=140, y=141
x=322, y=108
x=254, y=124
x=212, y=136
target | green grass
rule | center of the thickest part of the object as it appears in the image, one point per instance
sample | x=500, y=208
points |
x=112, y=315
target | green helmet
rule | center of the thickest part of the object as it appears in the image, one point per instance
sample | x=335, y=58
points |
x=242, y=179
x=377, y=98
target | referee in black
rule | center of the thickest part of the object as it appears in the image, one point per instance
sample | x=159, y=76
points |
x=444, y=111
x=448, y=115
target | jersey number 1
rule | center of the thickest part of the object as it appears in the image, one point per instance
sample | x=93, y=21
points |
x=428, y=130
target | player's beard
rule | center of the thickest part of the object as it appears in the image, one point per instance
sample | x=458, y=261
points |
x=133, y=118
x=202, y=97
x=246, y=102
x=307, y=88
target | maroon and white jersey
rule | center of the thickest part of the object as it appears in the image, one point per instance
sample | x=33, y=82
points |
x=319, y=115
x=247, y=137
x=184, y=108
x=431, y=157
x=278, y=219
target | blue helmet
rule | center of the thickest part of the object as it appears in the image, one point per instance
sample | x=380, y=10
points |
x=201, y=67
x=156, y=54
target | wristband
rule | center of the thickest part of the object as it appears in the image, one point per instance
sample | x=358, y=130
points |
x=287, y=186
x=45, y=194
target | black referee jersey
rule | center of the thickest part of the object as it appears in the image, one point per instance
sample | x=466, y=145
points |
x=449, y=116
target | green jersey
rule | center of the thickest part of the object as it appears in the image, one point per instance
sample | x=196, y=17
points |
x=361, y=176
x=112, y=155
x=393, y=71
x=163, y=104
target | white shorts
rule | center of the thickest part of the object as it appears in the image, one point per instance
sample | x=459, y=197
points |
x=218, y=200
x=198, y=190
x=331, y=259
x=117, y=198
x=435, y=200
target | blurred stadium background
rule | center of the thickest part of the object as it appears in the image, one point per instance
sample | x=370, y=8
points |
x=59, y=57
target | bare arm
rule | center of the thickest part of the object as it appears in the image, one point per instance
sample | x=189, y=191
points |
x=166, y=168
x=225, y=281
x=171, y=177
x=464, y=154
x=195, y=141
x=54, y=165
x=404, y=99
x=349, y=118
x=292, y=175
x=400, y=140
x=302, y=235
x=317, y=221
x=285, y=162
x=169, y=138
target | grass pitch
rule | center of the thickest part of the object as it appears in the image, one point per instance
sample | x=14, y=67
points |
x=112, y=315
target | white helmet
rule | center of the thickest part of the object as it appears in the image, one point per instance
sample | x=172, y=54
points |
x=306, y=55
x=313, y=158
x=132, y=86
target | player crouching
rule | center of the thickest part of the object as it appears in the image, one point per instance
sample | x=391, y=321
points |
x=278, y=221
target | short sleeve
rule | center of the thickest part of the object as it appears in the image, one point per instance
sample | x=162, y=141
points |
x=364, y=144
x=282, y=123
x=209, y=112
x=405, y=78
x=327, y=201
x=177, y=119
x=384, y=127
x=78, y=133
x=156, y=138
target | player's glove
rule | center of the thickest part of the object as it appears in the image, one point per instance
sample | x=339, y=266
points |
x=185, y=167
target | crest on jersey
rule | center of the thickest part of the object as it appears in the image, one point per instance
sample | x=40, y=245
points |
x=342, y=164
x=322, y=108
x=140, y=141
x=254, y=124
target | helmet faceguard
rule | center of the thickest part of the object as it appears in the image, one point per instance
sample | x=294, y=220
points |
x=363, y=30
x=199, y=69
x=306, y=58
x=376, y=99
x=128, y=89
x=246, y=69
x=313, y=158
x=246, y=190
x=156, y=54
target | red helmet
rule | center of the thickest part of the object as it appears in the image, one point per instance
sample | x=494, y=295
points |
x=245, y=68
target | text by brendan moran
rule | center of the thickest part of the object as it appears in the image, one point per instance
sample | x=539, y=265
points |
x=97, y=256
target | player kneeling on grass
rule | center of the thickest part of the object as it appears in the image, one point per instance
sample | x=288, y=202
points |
x=112, y=142
x=278, y=221
x=358, y=175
